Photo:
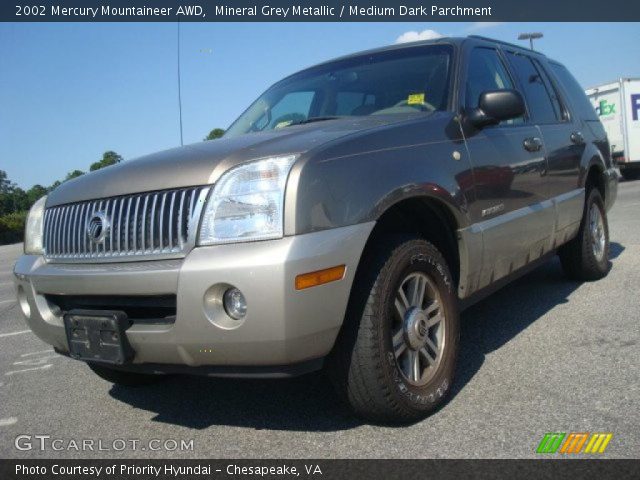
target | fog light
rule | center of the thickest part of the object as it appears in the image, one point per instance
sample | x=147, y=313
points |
x=235, y=304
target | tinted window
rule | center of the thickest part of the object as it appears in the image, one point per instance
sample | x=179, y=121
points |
x=293, y=107
x=555, y=98
x=486, y=72
x=409, y=81
x=536, y=93
x=352, y=103
x=575, y=92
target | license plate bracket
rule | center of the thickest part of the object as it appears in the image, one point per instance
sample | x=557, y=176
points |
x=98, y=336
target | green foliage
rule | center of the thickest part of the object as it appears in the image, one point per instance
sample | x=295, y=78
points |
x=36, y=192
x=73, y=174
x=12, y=227
x=108, y=158
x=5, y=183
x=215, y=133
x=15, y=202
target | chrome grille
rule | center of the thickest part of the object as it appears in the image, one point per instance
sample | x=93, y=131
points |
x=141, y=226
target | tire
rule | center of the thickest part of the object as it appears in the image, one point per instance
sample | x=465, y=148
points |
x=586, y=257
x=369, y=366
x=121, y=377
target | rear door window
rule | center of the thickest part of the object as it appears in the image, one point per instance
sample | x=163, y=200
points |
x=551, y=88
x=542, y=108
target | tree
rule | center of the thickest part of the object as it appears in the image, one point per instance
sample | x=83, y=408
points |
x=215, y=133
x=108, y=158
x=73, y=174
x=36, y=192
x=19, y=200
x=5, y=184
x=6, y=193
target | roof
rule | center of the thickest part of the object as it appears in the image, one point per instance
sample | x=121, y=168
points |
x=456, y=41
x=442, y=40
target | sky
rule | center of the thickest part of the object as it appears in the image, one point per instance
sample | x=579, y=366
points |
x=69, y=92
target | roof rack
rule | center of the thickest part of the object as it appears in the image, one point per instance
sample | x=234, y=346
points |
x=502, y=42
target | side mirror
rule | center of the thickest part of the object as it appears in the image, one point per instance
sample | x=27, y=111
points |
x=495, y=106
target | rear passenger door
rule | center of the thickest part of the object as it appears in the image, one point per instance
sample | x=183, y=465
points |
x=511, y=210
x=563, y=141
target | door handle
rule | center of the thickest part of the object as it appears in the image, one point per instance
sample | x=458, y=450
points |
x=577, y=138
x=532, y=144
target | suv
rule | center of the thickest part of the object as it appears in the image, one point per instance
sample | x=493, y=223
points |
x=344, y=220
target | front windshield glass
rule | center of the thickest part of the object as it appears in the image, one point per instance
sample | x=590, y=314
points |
x=410, y=80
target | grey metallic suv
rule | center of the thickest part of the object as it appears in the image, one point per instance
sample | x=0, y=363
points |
x=344, y=220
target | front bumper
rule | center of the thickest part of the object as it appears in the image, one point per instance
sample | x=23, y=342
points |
x=283, y=326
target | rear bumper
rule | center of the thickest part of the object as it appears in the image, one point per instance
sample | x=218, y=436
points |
x=282, y=327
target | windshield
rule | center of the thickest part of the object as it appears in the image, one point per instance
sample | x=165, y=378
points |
x=410, y=80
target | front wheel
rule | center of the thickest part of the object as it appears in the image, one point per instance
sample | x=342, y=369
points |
x=395, y=358
x=586, y=257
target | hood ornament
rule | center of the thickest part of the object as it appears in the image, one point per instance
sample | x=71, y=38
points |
x=98, y=227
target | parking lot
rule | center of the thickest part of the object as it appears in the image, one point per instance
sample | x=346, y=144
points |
x=542, y=355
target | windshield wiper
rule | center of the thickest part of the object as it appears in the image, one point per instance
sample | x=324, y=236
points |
x=314, y=119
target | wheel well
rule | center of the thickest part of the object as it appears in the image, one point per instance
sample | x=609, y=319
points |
x=595, y=179
x=428, y=218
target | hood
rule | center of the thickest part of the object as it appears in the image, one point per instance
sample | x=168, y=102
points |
x=203, y=163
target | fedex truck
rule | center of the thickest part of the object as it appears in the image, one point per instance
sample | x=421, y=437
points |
x=618, y=106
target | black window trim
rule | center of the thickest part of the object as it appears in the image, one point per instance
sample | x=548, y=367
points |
x=537, y=64
x=565, y=111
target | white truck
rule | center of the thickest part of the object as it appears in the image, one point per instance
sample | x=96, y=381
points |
x=618, y=106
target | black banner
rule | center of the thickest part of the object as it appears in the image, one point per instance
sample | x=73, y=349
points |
x=269, y=469
x=318, y=11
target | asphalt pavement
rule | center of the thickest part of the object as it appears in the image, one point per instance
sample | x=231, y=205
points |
x=544, y=354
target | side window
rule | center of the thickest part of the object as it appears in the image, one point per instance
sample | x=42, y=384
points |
x=555, y=98
x=579, y=101
x=536, y=93
x=293, y=107
x=486, y=72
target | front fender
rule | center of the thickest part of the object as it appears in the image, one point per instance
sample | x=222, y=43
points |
x=358, y=179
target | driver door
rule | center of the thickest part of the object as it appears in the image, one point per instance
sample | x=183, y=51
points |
x=511, y=211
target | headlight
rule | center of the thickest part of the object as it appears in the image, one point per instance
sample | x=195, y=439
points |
x=33, y=229
x=247, y=203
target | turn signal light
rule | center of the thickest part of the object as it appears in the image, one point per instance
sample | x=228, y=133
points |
x=313, y=279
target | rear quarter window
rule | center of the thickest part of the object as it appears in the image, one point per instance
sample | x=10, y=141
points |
x=580, y=104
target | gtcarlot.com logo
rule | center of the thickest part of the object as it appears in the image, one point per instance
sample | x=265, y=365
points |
x=47, y=442
x=574, y=442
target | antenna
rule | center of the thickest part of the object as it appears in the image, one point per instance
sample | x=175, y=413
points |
x=179, y=88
